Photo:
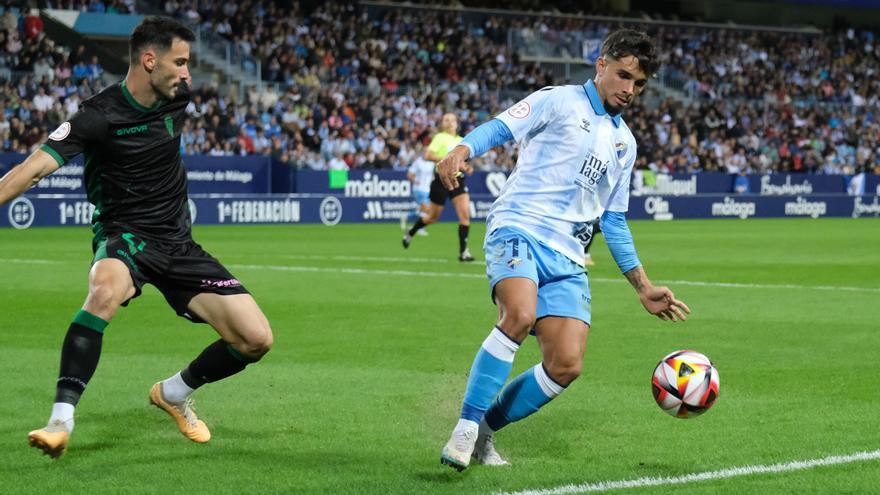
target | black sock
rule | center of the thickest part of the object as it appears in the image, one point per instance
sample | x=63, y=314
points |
x=462, y=237
x=79, y=359
x=415, y=228
x=218, y=361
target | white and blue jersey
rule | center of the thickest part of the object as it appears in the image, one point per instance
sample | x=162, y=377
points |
x=575, y=162
x=423, y=173
x=574, y=166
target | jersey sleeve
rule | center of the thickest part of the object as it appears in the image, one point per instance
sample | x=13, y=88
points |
x=619, y=198
x=531, y=114
x=71, y=138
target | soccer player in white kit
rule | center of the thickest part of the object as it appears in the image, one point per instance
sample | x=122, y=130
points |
x=576, y=158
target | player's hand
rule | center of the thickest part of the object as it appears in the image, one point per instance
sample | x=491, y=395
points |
x=450, y=168
x=661, y=302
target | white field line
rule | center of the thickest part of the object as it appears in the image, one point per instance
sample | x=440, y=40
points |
x=30, y=262
x=358, y=271
x=364, y=258
x=408, y=273
x=603, y=486
x=481, y=275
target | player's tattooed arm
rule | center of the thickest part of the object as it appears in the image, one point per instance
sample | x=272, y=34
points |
x=638, y=279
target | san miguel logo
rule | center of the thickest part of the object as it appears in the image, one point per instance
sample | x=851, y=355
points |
x=591, y=172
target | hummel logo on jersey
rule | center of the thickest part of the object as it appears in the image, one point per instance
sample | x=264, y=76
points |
x=585, y=125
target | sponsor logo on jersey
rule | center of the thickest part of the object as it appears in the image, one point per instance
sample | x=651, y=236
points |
x=61, y=132
x=591, y=172
x=126, y=131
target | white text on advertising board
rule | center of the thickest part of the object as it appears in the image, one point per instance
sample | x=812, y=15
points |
x=258, y=211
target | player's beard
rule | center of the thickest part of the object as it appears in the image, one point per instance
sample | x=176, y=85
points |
x=167, y=90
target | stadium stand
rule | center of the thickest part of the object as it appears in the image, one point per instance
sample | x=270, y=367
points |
x=344, y=87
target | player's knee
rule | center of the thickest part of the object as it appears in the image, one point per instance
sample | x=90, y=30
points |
x=517, y=323
x=103, y=300
x=565, y=371
x=257, y=345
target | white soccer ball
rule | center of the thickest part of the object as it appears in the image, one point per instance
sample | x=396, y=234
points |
x=685, y=384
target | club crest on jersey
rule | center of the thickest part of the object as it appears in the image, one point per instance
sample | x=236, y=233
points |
x=61, y=132
x=620, y=148
x=591, y=172
x=585, y=125
x=521, y=110
x=169, y=124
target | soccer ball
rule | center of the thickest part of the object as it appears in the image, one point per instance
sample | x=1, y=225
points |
x=685, y=384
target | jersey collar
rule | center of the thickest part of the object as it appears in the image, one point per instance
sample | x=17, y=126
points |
x=134, y=103
x=596, y=102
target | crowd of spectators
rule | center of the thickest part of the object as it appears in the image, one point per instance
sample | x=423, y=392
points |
x=714, y=63
x=357, y=91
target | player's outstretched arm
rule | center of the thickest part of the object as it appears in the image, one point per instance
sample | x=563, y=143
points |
x=25, y=175
x=659, y=301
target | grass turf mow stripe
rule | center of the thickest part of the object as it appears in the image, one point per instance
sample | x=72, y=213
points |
x=704, y=476
x=407, y=273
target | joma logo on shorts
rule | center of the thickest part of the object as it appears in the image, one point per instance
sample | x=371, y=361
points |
x=131, y=130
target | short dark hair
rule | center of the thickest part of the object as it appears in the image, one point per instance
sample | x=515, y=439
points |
x=625, y=42
x=158, y=32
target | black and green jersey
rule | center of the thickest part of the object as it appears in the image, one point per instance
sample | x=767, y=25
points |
x=134, y=174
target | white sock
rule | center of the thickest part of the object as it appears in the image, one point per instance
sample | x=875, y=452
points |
x=484, y=429
x=62, y=411
x=175, y=389
x=466, y=425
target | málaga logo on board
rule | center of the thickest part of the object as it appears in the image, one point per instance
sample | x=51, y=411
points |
x=732, y=208
x=373, y=187
x=800, y=207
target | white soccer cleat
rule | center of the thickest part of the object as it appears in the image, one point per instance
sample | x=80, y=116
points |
x=485, y=453
x=422, y=232
x=458, y=450
x=465, y=256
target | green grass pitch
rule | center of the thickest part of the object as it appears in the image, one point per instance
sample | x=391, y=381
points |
x=373, y=346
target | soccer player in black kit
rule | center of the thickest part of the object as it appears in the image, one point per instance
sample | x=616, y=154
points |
x=130, y=136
